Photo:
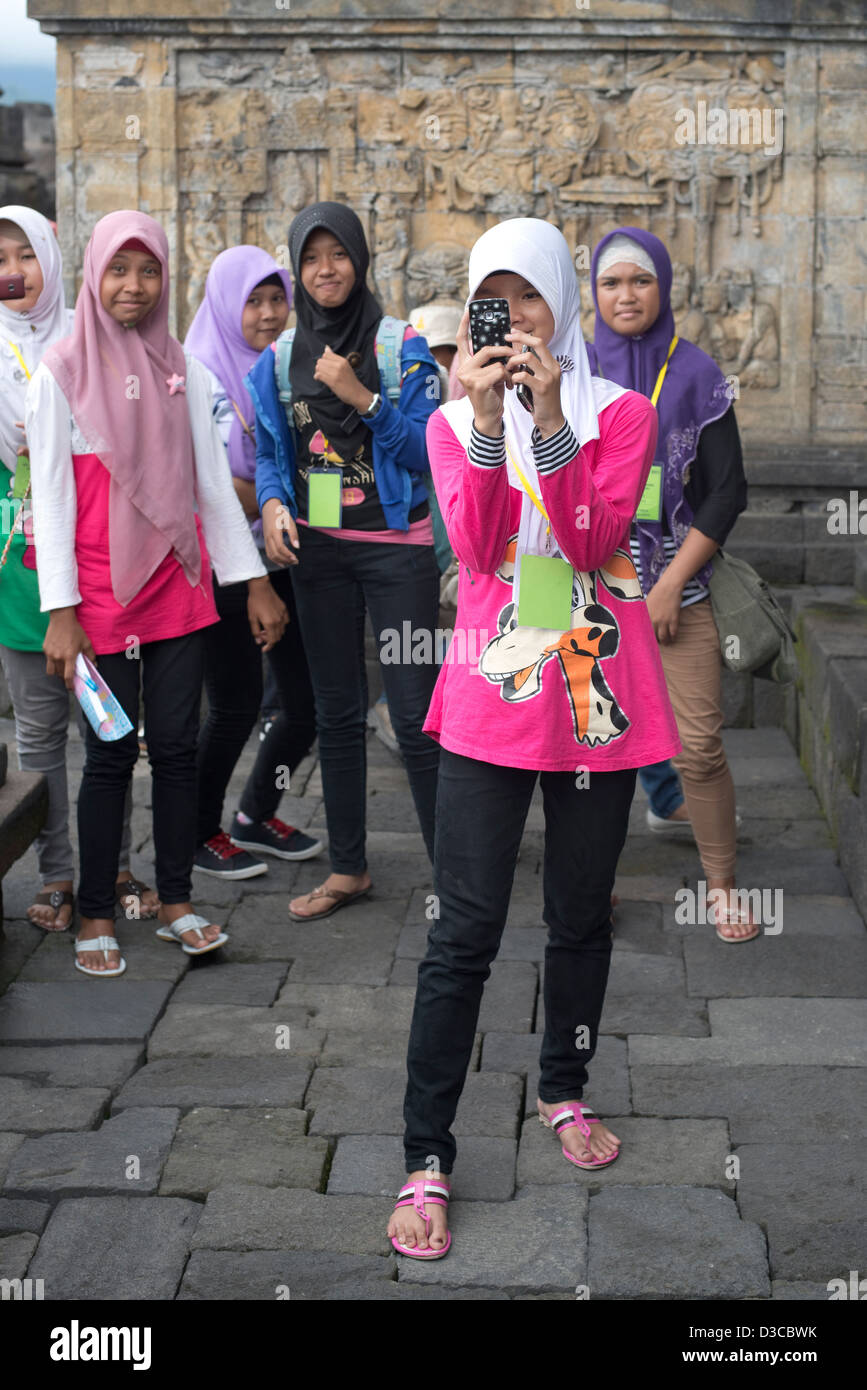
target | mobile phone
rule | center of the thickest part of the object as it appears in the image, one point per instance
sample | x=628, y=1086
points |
x=522, y=390
x=12, y=287
x=490, y=321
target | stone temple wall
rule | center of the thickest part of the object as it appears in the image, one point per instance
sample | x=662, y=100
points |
x=434, y=120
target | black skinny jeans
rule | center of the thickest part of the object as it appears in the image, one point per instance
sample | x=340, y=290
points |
x=399, y=585
x=233, y=681
x=480, y=815
x=170, y=676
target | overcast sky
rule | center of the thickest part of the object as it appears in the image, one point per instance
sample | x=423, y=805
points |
x=23, y=40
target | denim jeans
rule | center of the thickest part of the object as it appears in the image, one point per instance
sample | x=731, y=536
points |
x=662, y=785
x=481, y=810
x=334, y=582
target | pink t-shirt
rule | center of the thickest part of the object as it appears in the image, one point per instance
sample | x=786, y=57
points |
x=166, y=606
x=594, y=698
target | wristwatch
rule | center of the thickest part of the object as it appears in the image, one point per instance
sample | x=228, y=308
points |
x=373, y=408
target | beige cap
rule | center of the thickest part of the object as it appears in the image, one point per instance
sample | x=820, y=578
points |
x=438, y=322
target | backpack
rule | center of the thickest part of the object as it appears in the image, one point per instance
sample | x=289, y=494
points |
x=389, y=342
x=744, y=607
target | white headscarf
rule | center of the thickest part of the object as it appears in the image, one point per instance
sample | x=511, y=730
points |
x=32, y=331
x=538, y=250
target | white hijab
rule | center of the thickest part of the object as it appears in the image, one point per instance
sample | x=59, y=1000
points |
x=538, y=250
x=32, y=331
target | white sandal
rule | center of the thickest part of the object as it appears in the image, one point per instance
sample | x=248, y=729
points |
x=191, y=921
x=98, y=943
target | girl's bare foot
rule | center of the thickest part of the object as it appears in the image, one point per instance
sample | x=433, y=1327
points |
x=322, y=905
x=724, y=911
x=170, y=912
x=90, y=928
x=52, y=918
x=601, y=1144
x=407, y=1226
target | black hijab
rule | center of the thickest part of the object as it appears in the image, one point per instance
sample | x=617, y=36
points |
x=347, y=329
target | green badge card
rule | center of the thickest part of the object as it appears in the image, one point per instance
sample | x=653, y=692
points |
x=545, y=593
x=650, y=506
x=324, y=496
x=21, y=481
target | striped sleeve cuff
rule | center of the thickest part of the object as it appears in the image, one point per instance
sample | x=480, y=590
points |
x=486, y=452
x=551, y=454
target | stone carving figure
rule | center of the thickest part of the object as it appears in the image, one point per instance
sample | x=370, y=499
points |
x=690, y=322
x=204, y=240
x=754, y=328
x=438, y=272
x=390, y=254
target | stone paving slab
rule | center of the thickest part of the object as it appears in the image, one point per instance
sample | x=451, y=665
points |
x=258, y=1218
x=59, y=1012
x=519, y=1052
x=673, y=1242
x=264, y=1147
x=373, y=1164
x=22, y=1215
x=774, y=965
x=804, y=915
x=283, y=1274
x=18, y=939
x=784, y=1103
x=362, y=955
x=803, y=872
x=369, y=1100
x=254, y=985
x=638, y=928
x=101, y=1064
x=128, y=1248
x=509, y=997
x=16, y=1252
x=192, y=1081
x=646, y=994
x=811, y=1240
x=230, y=1030
x=536, y=1243
x=382, y=1292
x=97, y=1162
x=36, y=1109
x=691, y=1153
x=345, y=1047
x=783, y=1032
x=360, y=1010
x=517, y=943
x=9, y=1144
x=146, y=956
x=801, y=1291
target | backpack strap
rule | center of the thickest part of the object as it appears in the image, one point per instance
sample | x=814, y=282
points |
x=282, y=358
x=389, y=342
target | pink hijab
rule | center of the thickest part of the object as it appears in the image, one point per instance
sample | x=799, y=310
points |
x=117, y=382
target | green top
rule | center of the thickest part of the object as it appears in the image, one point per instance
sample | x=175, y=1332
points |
x=22, y=626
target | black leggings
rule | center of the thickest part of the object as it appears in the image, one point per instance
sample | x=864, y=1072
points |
x=169, y=675
x=233, y=681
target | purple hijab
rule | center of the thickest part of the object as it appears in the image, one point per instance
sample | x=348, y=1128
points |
x=216, y=339
x=694, y=393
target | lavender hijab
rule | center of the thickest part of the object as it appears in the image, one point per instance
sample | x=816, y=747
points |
x=694, y=393
x=215, y=337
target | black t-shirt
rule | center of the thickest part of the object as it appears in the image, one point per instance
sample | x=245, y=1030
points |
x=362, y=509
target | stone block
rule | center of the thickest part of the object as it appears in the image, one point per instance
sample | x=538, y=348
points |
x=783, y=1032
x=36, y=1109
x=688, y=1152
x=191, y=1081
x=16, y=1252
x=341, y=1006
x=848, y=715
x=638, y=927
x=359, y=954
x=125, y=1155
x=231, y=1030
x=255, y=986
x=67, y=1066
x=346, y=1048
x=146, y=956
x=373, y=1164
x=63, y=1013
x=369, y=1100
x=673, y=1243
x=824, y=920
x=9, y=1143
x=262, y=1147
x=519, y=1052
x=535, y=1244
x=816, y=1230
x=22, y=1216
x=509, y=998
x=115, y=1248
x=774, y=965
x=234, y=1275
x=759, y=1101
x=791, y=1291
x=260, y=1218
x=647, y=994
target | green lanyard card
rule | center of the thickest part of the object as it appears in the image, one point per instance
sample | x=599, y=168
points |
x=21, y=480
x=324, y=496
x=545, y=593
x=650, y=506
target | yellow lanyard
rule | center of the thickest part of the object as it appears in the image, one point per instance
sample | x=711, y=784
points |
x=20, y=358
x=528, y=489
x=663, y=369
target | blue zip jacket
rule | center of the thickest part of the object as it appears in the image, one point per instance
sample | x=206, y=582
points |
x=399, y=451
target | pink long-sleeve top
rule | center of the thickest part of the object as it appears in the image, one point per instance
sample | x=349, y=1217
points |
x=593, y=698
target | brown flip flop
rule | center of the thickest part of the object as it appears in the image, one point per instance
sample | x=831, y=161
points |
x=133, y=888
x=343, y=900
x=56, y=899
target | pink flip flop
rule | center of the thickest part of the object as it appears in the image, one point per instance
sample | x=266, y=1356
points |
x=567, y=1118
x=415, y=1195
